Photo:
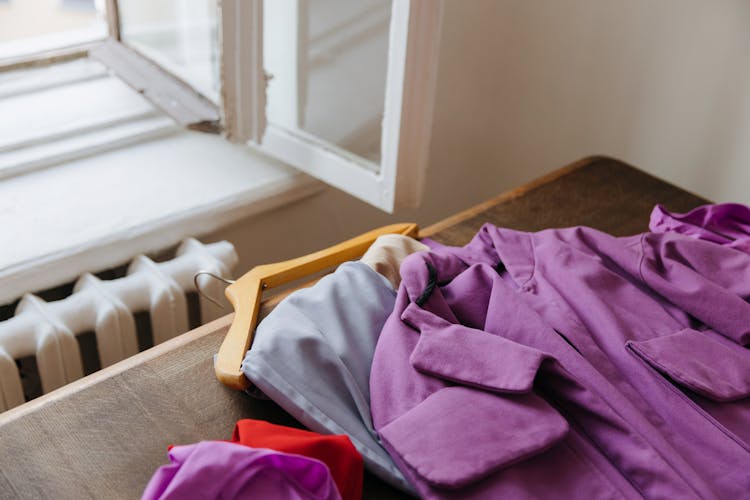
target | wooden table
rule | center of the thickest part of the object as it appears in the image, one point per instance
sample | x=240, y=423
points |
x=104, y=435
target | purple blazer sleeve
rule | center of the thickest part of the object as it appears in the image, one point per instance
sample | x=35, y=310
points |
x=502, y=430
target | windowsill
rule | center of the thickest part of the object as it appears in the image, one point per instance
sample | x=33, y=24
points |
x=97, y=212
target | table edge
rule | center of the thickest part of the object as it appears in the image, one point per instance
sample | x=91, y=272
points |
x=513, y=194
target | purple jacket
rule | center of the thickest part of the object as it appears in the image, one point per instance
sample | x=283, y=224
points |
x=569, y=363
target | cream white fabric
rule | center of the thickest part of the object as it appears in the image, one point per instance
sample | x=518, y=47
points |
x=387, y=253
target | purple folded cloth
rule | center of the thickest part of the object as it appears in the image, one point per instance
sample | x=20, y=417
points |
x=725, y=224
x=217, y=469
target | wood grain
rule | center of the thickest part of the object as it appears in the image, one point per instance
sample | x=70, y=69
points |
x=104, y=435
x=599, y=192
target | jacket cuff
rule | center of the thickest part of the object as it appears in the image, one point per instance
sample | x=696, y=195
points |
x=459, y=435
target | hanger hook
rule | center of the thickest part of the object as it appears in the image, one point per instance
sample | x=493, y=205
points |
x=214, y=276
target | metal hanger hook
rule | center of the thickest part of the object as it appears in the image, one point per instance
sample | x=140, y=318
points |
x=214, y=276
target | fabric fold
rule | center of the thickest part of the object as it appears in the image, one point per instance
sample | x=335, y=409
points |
x=312, y=355
x=471, y=357
x=708, y=281
x=699, y=363
x=724, y=224
x=216, y=469
x=336, y=451
x=481, y=433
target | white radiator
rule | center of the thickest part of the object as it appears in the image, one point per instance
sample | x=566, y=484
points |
x=48, y=330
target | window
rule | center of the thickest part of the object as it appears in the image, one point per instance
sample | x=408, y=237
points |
x=181, y=36
x=30, y=27
x=340, y=90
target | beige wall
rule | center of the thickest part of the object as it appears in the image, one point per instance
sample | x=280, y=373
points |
x=525, y=87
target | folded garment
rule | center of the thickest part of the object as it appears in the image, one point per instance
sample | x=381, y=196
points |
x=221, y=470
x=337, y=452
x=312, y=355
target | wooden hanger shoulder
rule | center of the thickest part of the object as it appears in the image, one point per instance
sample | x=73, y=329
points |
x=245, y=294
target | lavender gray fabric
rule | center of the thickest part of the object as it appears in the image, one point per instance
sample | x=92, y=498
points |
x=637, y=342
x=312, y=356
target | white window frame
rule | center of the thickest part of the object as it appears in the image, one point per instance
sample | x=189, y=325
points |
x=176, y=103
x=409, y=100
x=117, y=116
x=398, y=181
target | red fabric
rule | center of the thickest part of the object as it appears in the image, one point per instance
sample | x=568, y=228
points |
x=337, y=452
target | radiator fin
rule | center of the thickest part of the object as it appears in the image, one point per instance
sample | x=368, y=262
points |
x=114, y=326
x=11, y=390
x=48, y=330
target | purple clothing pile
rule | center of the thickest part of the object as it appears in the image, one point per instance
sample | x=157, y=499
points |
x=570, y=363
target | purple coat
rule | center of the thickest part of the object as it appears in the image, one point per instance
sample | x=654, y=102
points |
x=569, y=364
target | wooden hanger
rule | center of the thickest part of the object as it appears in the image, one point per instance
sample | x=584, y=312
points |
x=245, y=294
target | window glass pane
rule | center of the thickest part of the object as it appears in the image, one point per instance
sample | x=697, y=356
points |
x=329, y=68
x=32, y=26
x=179, y=35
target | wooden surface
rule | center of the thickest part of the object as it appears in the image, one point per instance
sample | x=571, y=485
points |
x=104, y=435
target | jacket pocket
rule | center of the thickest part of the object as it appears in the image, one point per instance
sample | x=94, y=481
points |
x=459, y=435
x=695, y=361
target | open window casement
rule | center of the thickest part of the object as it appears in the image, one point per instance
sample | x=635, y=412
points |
x=343, y=91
